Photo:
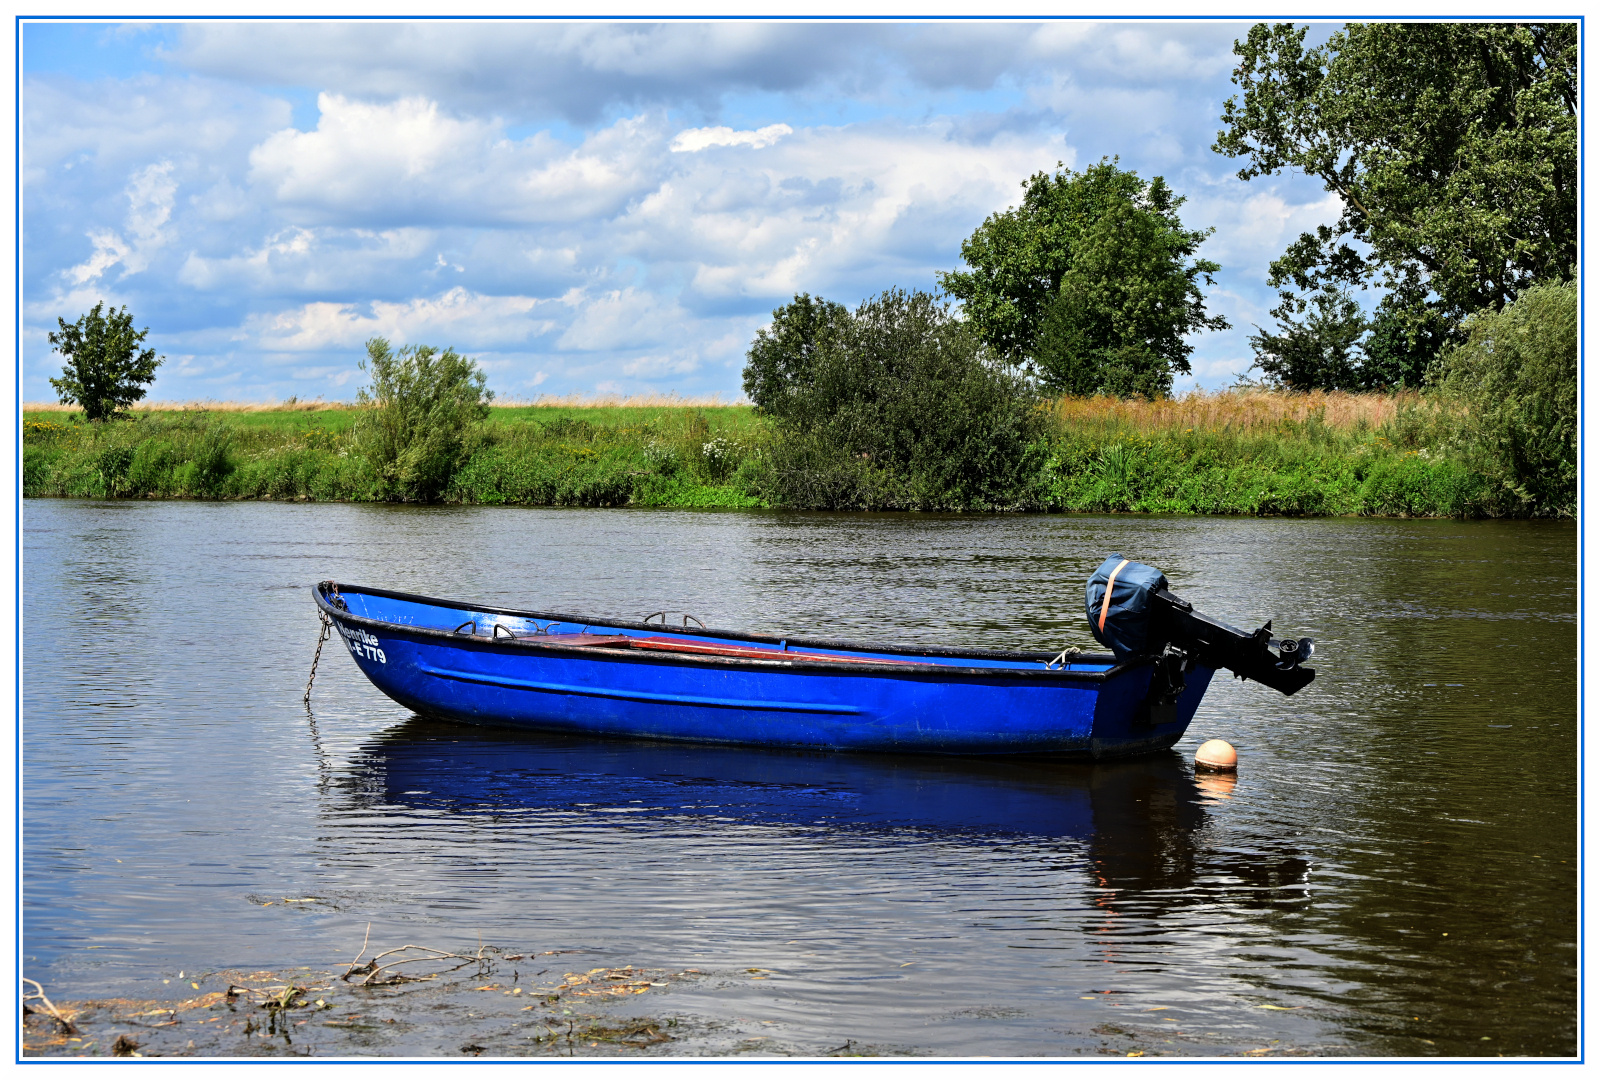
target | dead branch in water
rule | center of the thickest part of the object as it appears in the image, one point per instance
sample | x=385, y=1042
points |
x=373, y=968
x=67, y=1026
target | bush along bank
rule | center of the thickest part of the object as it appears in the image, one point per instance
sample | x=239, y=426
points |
x=1217, y=474
x=1082, y=455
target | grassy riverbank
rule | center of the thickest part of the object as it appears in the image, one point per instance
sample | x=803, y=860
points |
x=1239, y=453
x=545, y=455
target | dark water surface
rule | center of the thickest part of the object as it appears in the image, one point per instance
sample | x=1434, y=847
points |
x=1393, y=873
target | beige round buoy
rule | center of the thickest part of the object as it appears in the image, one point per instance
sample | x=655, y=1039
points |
x=1216, y=755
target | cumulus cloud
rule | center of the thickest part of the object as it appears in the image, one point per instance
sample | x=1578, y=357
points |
x=701, y=138
x=579, y=71
x=620, y=319
x=408, y=161
x=1144, y=52
x=455, y=317
x=583, y=71
x=823, y=205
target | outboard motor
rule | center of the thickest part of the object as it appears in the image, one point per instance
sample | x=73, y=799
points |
x=1132, y=613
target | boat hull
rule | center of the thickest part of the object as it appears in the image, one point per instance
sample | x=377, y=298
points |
x=830, y=697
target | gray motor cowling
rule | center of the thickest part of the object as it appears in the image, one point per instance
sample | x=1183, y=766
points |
x=1120, y=602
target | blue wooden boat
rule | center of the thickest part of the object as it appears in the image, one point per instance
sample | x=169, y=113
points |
x=566, y=673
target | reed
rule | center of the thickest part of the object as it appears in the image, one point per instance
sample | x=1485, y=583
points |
x=203, y=405
x=1234, y=411
x=622, y=401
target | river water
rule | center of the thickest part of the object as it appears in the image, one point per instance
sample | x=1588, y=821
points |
x=1393, y=872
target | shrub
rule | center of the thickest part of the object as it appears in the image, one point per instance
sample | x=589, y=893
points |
x=423, y=404
x=1517, y=376
x=895, y=405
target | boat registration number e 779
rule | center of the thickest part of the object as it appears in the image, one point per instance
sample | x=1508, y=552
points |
x=362, y=644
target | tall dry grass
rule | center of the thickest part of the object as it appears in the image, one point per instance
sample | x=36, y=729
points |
x=1235, y=411
x=620, y=401
x=293, y=405
x=546, y=401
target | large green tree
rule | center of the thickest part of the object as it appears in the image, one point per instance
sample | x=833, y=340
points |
x=1092, y=280
x=106, y=369
x=1452, y=146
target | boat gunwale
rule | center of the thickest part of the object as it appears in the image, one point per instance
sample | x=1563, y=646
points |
x=855, y=666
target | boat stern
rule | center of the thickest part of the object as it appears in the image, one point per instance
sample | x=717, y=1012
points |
x=1140, y=712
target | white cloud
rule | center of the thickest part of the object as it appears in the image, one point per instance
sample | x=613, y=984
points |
x=298, y=260
x=657, y=367
x=827, y=203
x=150, y=192
x=620, y=319
x=108, y=126
x=408, y=161
x=458, y=318
x=1158, y=52
x=1255, y=224
x=700, y=138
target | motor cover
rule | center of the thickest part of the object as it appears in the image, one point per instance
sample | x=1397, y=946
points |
x=1123, y=625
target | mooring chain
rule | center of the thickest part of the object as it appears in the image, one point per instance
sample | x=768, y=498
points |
x=327, y=630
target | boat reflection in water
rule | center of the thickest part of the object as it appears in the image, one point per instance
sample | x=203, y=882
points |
x=1137, y=821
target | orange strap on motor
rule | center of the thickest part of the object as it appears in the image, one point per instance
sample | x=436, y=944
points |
x=1110, y=581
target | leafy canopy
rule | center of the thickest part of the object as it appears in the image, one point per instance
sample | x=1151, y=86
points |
x=1091, y=280
x=1337, y=347
x=1318, y=353
x=781, y=365
x=423, y=403
x=106, y=370
x=1452, y=146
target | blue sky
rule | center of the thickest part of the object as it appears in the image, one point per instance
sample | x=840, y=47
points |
x=584, y=207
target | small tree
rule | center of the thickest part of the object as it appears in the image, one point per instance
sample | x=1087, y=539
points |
x=780, y=367
x=1317, y=353
x=1402, y=347
x=423, y=404
x=106, y=370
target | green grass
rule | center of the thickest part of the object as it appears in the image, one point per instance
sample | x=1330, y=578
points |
x=719, y=457
x=553, y=456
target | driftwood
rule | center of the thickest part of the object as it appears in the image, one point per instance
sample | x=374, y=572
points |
x=67, y=1026
x=372, y=969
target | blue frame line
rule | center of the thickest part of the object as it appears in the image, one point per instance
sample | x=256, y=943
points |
x=16, y=519
x=16, y=524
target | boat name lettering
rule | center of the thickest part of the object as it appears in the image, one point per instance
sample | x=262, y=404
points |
x=362, y=643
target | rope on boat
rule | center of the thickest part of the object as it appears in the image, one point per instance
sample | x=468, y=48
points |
x=327, y=630
x=1062, y=661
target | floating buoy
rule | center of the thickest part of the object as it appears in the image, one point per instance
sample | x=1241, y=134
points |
x=1217, y=756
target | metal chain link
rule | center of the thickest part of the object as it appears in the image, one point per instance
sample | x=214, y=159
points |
x=327, y=629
